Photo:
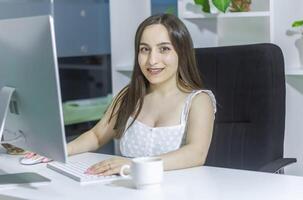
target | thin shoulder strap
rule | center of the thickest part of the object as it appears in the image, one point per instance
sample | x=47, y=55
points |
x=186, y=107
x=189, y=99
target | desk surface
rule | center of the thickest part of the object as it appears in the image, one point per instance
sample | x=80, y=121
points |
x=208, y=183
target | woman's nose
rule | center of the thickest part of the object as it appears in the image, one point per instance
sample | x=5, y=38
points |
x=153, y=58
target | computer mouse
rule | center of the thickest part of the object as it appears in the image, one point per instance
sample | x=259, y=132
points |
x=32, y=161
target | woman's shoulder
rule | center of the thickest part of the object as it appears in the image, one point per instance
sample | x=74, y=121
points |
x=203, y=98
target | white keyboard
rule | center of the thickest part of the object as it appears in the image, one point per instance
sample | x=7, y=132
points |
x=75, y=170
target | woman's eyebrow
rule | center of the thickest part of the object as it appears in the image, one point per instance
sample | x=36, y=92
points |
x=145, y=44
x=159, y=44
x=164, y=43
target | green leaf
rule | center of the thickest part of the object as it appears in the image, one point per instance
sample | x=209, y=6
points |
x=222, y=5
x=204, y=4
x=297, y=23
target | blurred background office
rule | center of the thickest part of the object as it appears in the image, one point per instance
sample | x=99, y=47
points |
x=95, y=50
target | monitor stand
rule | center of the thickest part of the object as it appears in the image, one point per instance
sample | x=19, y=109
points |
x=6, y=94
x=9, y=180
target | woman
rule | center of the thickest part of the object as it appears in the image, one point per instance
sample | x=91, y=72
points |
x=163, y=111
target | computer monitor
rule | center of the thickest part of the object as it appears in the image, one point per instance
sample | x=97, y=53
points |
x=30, y=99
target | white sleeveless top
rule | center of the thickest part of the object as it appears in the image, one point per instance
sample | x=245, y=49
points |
x=141, y=140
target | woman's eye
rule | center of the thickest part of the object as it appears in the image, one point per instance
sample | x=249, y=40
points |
x=144, y=49
x=164, y=49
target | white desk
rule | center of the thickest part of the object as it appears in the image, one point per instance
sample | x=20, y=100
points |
x=203, y=183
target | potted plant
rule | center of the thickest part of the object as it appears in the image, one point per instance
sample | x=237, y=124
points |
x=298, y=24
x=299, y=41
x=240, y=5
x=223, y=5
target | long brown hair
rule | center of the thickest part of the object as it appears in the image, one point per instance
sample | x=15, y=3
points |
x=130, y=99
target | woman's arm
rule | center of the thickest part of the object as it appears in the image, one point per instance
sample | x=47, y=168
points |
x=96, y=137
x=198, y=136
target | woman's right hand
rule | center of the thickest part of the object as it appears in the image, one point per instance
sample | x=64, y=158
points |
x=34, y=156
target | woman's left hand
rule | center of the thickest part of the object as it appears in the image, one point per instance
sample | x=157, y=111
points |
x=108, y=167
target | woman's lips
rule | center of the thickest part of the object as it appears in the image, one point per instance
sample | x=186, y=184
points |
x=154, y=71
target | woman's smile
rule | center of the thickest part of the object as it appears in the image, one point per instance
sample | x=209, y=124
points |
x=154, y=71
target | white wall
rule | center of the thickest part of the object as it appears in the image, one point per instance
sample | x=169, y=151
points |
x=285, y=12
x=125, y=16
x=293, y=142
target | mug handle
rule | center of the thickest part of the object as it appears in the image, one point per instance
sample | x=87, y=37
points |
x=123, y=168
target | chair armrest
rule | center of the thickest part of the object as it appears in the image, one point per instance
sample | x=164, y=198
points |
x=276, y=165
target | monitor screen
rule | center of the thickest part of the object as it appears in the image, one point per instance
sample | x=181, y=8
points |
x=30, y=98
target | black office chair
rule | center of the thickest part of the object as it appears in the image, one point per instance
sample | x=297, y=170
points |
x=249, y=84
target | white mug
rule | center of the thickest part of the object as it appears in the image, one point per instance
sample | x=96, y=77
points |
x=146, y=172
